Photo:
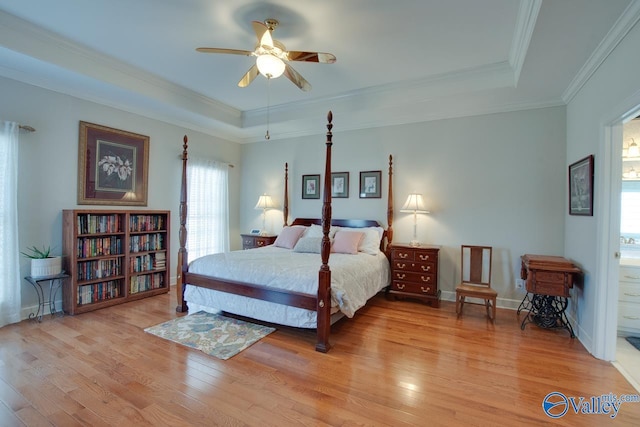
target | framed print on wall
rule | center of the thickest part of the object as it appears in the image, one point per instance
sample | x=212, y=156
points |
x=581, y=187
x=310, y=186
x=340, y=185
x=112, y=166
x=370, y=184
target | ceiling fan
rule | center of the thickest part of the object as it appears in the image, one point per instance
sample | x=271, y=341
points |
x=272, y=57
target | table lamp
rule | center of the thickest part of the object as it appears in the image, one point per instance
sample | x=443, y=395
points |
x=414, y=205
x=265, y=202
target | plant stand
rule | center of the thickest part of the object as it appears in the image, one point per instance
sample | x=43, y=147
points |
x=55, y=284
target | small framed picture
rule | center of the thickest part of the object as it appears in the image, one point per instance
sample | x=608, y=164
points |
x=581, y=187
x=255, y=231
x=370, y=184
x=310, y=186
x=340, y=185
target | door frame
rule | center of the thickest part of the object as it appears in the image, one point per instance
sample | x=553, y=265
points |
x=608, y=230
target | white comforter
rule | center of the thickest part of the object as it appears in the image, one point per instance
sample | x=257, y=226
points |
x=354, y=279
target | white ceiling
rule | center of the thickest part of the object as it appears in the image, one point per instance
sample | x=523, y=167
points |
x=397, y=61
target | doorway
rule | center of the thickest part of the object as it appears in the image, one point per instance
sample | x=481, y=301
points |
x=627, y=357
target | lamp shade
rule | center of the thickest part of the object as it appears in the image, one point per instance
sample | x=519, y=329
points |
x=270, y=66
x=265, y=202
x=414, y=204
x=633, y=150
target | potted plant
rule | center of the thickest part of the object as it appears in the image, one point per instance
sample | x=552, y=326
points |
x=42, y=262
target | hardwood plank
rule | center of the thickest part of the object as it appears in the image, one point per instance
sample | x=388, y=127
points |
x=395, y=363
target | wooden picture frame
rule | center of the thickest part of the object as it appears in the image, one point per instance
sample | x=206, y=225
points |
x=370, y=184
x=581, y=187
x=310, y=186
x=340, y=185
x=113, y=166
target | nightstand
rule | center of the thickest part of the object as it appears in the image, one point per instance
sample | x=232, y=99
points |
x=414, y=273
x=250, y=241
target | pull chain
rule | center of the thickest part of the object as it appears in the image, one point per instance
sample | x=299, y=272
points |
x=267, y=136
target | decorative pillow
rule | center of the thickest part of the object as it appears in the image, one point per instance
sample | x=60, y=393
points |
x=346, y=242
x=315, y=230
x=308, y=244
x=370, y=243
x=288, y=237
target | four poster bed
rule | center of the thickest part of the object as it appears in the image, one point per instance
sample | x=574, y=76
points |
x=279, y=283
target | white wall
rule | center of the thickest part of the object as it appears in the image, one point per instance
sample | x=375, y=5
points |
x=497, y=179
x=48, y=169
x=609, y=94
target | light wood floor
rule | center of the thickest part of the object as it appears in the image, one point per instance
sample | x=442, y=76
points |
x=395, y=363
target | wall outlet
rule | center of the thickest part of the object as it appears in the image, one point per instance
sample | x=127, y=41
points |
x=519, y=283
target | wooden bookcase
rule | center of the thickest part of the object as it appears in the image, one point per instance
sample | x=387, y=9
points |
x=114, y=256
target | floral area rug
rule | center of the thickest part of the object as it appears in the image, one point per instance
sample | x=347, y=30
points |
x=213, y=334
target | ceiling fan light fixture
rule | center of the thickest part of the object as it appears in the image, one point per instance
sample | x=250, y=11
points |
x=270, y=66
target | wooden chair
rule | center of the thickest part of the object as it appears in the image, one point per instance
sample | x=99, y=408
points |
x=476, y=279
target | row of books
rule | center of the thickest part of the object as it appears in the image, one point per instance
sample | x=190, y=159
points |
x=99, y=246
x=146, y=242
x=146, y=282
x=90, y=224
x=147, y=223
x=89, y=294
x=147, y=262
x=99, y=269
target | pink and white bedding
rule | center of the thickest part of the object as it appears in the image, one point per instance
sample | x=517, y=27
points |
x=354, y=279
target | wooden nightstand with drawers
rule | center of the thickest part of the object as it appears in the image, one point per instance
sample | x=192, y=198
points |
x=250, y=241
x=414, y=273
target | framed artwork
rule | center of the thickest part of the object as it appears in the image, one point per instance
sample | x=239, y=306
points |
x=310, y=186
x=370, y=184
x=340, y=184
x=113, y=166
x=581, y=187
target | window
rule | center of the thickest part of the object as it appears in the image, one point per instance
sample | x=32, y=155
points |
x=630, y=219
x=207, y=207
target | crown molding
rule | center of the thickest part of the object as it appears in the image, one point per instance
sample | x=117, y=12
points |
x=623, y=25
x=525, y=25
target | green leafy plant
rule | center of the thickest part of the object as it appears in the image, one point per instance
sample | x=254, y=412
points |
x=37, y=253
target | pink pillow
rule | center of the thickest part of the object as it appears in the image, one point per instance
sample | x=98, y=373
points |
x=346, y=242
x=288, y=237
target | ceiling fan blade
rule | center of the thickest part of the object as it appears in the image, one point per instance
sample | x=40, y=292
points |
x=249, y=77
x=220, y=50
x=263, y=34
x=296, y=78
x=326, y=58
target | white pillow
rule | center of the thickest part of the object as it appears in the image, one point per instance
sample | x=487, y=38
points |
x=315, y=230
x=308, y=245
x=370, y=243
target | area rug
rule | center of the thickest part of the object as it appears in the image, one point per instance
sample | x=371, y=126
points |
x=634, y=341
x=214, y=334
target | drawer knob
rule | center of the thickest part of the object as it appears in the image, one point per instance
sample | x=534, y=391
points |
x=400, y=276
x=403, y=256
x=400, y=286
x=631, y=277
x=426, y=268
x=427, y=290
x=425, y=279
x=631, y=317
x=403, y=265
x=424, y=257
x=631, y=295
x=260, y=243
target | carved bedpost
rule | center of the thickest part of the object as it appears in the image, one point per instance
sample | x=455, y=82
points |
x=285, y=208
x=390, y=205
x=324, y=276
x=182, y=252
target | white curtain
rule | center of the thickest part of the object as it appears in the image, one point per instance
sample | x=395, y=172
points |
x=207, y=207
x=10, y=302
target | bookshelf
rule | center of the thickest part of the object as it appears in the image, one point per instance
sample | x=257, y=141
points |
x=114, y=256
